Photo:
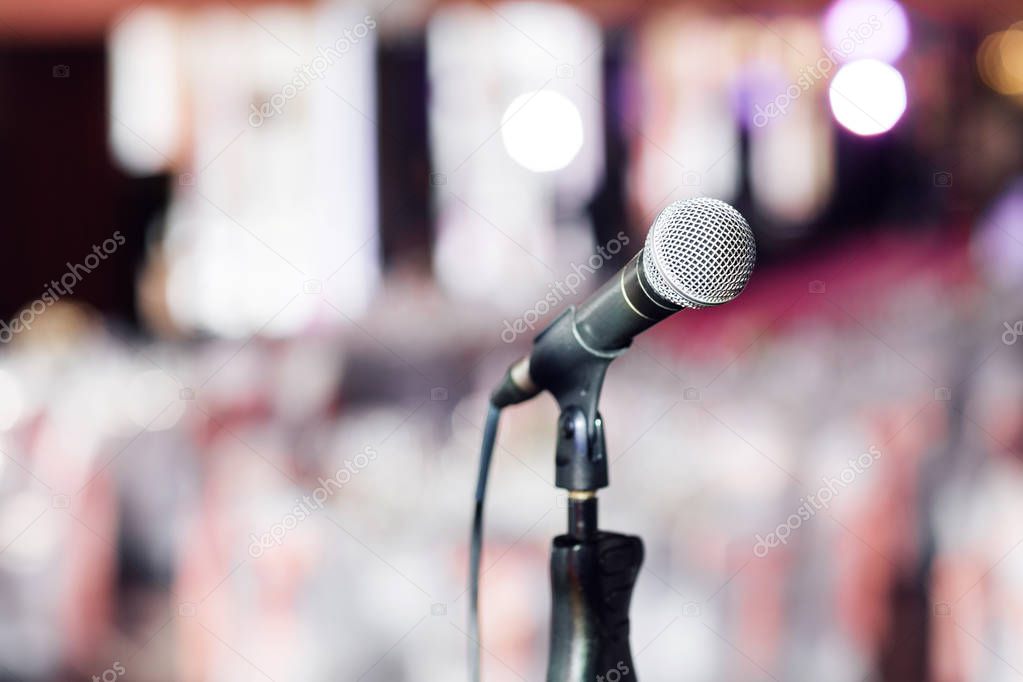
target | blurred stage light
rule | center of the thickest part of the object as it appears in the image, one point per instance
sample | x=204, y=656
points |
x=145, y=91
x=1000, y=60
x=542, y=130
x=792, y=170
x=281, y=154
x=479, y=59
x=996, y=245
x=868, y=97
x=690, y=141
x=862, y=29
x=12, y=402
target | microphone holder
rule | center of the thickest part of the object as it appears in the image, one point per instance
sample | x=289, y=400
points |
x=592, y=571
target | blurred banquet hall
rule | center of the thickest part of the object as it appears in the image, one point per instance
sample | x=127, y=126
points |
x=265, y=262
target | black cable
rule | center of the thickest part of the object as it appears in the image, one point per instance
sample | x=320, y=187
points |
x=476, y=542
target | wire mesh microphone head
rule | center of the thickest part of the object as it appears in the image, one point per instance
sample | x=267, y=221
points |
x=699, y=253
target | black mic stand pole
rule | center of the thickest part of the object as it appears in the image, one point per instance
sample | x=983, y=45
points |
x=592, y=571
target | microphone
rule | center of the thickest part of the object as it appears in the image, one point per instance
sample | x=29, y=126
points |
x=698, y=253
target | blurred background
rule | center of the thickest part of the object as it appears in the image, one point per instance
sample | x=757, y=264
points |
x=265, y=261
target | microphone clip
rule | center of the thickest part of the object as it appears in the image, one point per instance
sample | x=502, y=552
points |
x=573, y=373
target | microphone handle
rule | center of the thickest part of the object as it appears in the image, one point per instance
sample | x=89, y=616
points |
x=621, y=308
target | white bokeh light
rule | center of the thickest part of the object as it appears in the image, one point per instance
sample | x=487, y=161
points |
x=868, y=97
x=542, y=131
x=861, y=29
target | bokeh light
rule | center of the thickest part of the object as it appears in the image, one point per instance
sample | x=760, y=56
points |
x=868, y=97
x=542, y=130
x=862, y=29
x=1000, y=60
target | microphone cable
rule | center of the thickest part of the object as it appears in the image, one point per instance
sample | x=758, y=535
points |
x=476, y=541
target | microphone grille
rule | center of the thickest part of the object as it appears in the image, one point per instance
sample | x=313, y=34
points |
x=699, y=253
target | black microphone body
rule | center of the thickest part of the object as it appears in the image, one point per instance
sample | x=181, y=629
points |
x=623, y=307
x=601, y=327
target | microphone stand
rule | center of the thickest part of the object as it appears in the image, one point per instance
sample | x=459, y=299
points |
x=592, y=576
x=592, y=571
